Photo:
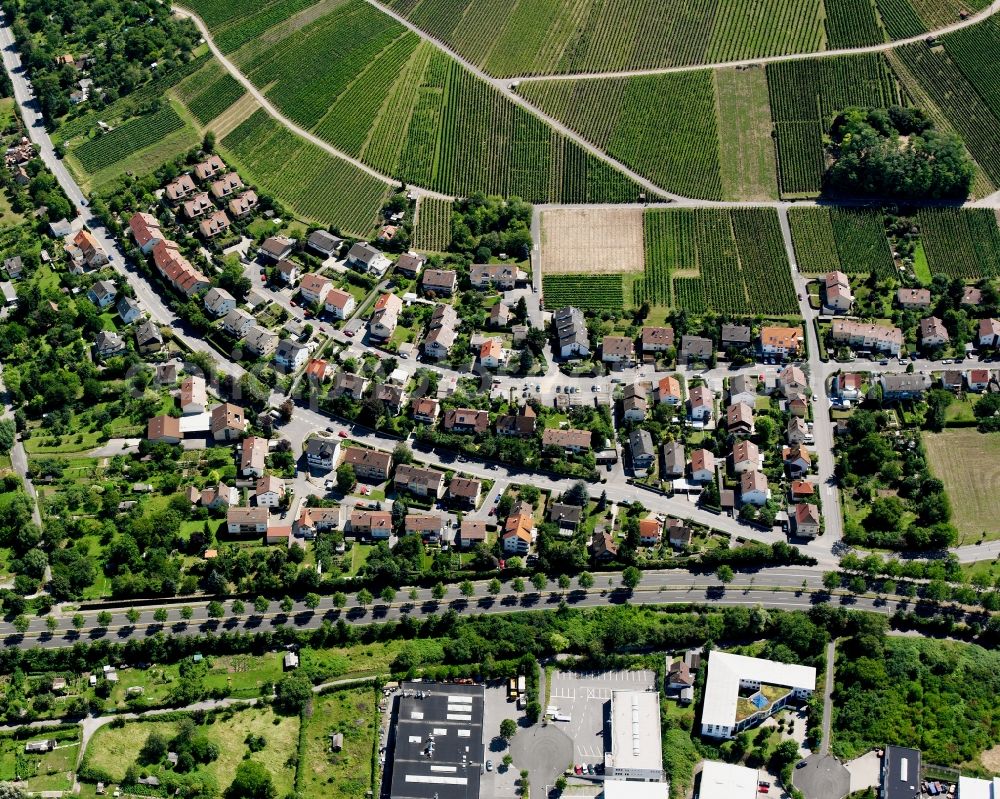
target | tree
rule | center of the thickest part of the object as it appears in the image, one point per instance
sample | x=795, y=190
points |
x=724, y=574
x=564, y=582
x=261, y=604
x=21, y=624
x=508, y=729
x=365, y=597
x=831, y=580
x=339, y=600
x=155, y=748
x=7, y=433
x=238, y=607
x=585, y=580
x=51, y=623
x=631, y=577
x=103, y=618
x=539, y=581
x=160, y=615
x=216, y=610
x=495, y=587
x=467, y=589
x=251, y=781
x=577, y=494
x=187, y=613
x=508, y=759
x=401, y=453
x=311, y=600
x=517, y=585
x=346, y=479
x=287, y=604
x=292, y=692
x=132, y=615
x=438, y=591
x=388, y=594
x=78, y=621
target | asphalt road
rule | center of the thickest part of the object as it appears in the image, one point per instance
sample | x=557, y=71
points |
x=780, y=588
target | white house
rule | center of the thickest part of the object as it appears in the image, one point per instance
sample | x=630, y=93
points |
x=219, y=302
x=194, y=395
x=270, y=491
x=340, y=304
x=366, y=258
x=290, y=354
x=753, y=488
x=702, y=401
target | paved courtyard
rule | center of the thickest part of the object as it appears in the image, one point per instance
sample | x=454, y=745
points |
x=585, y=697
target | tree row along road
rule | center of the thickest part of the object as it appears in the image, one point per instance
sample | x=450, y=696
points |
x=773, y=588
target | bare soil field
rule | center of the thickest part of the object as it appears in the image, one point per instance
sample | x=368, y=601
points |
x=592, y=241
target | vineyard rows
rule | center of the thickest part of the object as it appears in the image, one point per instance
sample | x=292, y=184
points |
x=236, y=23
x=958, y=100
x=592, y=292
x=664, y=126
x=804, y=97
x=900, y=19
x=109, y=148
x=763, y=262
x=669, y=245
x=433, y=232
x=315, y=184
x=690, y=294
x=815, y=245
x=215, y=98
x=852, y=23
x=962, y=243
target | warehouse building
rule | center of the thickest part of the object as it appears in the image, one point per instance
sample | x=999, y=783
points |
x=436, y=742
x=636, y=753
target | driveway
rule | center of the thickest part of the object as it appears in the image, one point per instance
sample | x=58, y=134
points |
x=822, y=777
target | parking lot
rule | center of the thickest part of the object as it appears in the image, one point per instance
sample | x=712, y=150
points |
x=585, y=698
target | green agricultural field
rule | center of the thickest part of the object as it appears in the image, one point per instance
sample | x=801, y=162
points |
x=530, y=37
x=746, y=148
x=209, y=92
x=961, y=242
x=852, y=240
x=315, y=184
x=592, y=292
x=852, y=23
x=346, y=774
x=109, y=148
x=433, y=231
x=113, y=749
x=663, y=126
x=731, y=261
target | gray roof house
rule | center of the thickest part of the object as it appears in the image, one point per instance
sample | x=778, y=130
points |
x=674, y=461
x=643, y=453
x=128, y=310
x=323, y=242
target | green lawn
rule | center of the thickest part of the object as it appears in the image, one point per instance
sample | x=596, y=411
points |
x=346, y=774
x=975, y=501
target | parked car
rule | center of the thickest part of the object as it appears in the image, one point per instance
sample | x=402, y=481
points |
x=489, y=765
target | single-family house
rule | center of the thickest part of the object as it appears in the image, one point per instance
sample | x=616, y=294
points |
x=696, y=348
x=465, y=491
x=518, y=533
x=260, y=341
x=500, y=315
x=322, y=454
x=290, y=354
x=847, y=385
x=678, y=534
x=410, y=263
x=385, y=316
x=743, y=388
x=933, y=333
x=148, y=337
x=806, y=519
x=634, y=403
x=228, y=422
x=253, y=452
x=423, y=482
x=270, y=491
x=701, y=401
x=364, y=257
x=219, y=302
x=603, y=548
x=978, y=379
x=237, y=322
x=735, y=337
x=668, y=391
x=314, y=288
x=324, y=243
x=288, y=271
x=243, y=205
x=198, y=206
x=108, y=344
x=339, y=304
x=128, y=310
x=780, y=342
x=220, y=496
x=800, y=490
x=521, y=424
x=392, y=396
x=466, y=420
x=570, y=440
x=276, y=249
x=913, y=299
x=439, y=282
x=180, y=187
x=673, y=459
x=702, y=466
x=102, y=293
x=425, y=409
x=837, y=289
x=746, y=456
x=492, y=355
x=318, y=520
x=739, y=419
x=214, y=225
x=194, y=395
x=471, y=532
x=226, y=185
x=246, y=521
x=163, y=428
x=618, y=350
x=348, y=384
x=210, y=168
x=641, y=446
x=370, y=465
x=650, y=532
x=989, y=333
x=656, y=339
x=796, y=432
x=792, y=381
x=797, y=459
x=566, y=517
x=374, y=524
x=753, y=488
